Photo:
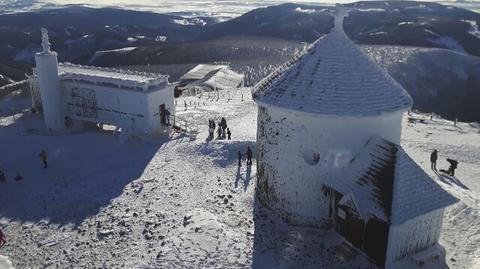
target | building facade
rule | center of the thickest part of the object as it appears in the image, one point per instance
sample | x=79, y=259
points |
x=71, y=94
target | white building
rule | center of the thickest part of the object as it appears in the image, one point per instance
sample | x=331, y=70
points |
x=71, y=94
x=329, y=154
x=207, y=77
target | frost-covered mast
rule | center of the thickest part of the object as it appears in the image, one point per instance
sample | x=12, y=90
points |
x=45, y=41
x=340, y=14
x=52, y=99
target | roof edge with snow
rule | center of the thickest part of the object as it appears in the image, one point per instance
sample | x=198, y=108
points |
x=333, y=77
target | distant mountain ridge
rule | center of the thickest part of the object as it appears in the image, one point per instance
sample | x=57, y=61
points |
x=78, y=32
x=442, y=81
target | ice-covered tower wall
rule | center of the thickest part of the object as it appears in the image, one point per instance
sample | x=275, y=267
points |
x=52, y=96
x=314, y=115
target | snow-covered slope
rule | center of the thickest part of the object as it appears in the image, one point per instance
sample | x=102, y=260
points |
x=439, y=80
x=181, y=201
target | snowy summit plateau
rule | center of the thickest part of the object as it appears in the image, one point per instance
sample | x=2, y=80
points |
x=321, y=163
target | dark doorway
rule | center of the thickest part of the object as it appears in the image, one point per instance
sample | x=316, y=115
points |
x=350, y=226
x=163, y=114
x=376, y=240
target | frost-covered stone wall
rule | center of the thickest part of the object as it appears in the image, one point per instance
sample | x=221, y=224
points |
x=414, y=235
x=297, y=152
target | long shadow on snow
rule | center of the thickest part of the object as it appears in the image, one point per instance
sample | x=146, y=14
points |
x=86, y=171
x=276, y=244
x=279, y=245
x=246, y=179
x=447, y=179
x=225, y=152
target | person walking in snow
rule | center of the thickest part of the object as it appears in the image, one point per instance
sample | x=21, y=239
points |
x=433, y=159
x=43, y=157
x=229, y=134
x=2, y=176
x=249, y=156
x=3, y=239
x=219, y=131
x=210, y=129
x=239, y=159
x=223, y=123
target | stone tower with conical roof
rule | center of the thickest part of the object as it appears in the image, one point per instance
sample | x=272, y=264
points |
x=315, y=114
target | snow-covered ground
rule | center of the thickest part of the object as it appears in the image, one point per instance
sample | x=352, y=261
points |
x=181, y=201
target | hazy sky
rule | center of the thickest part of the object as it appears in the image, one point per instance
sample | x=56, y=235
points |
x=218, y=8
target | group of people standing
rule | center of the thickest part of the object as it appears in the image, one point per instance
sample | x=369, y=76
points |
x=451, y=169
x=222, y=131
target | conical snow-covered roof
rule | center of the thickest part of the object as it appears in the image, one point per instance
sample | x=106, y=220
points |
x=333, y=77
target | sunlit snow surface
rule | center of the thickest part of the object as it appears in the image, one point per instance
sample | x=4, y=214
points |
x=182, y=202
x=222, y=9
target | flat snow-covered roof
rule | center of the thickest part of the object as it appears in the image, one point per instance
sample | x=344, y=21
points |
x=201, y=71
x=110, y=75
x=225, y=78
x=333, y=77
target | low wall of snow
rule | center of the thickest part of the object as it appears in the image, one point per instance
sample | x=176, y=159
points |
x=414, y=235
x=297, y=152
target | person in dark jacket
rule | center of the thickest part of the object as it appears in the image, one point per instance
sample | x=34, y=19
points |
x=219, y=132
x=223, y=124
x=453, y=166
x=433, y=159
x=451, y=169
x=229, y=134
x=211, y=129
x=43, y=157
x=249, y=156
x=239, y=159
